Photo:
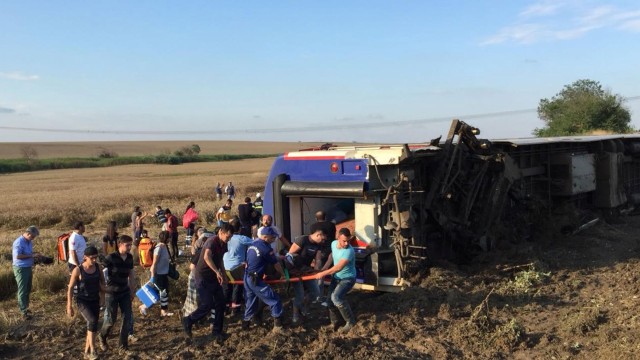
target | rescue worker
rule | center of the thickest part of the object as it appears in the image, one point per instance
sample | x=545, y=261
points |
x=303, y=253
x=256, y=291
x=344, y=277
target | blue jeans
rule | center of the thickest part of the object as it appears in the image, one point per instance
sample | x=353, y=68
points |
x=298, y=288
x=253, y=293
x=112, y=303
x=24, y=279
x=339, y=289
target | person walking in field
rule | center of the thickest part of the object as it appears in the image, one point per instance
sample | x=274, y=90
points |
x=245, y=215
x=140, y=216
x=172, y=228
x=110, y=239
x=210, y=277
x=77, y=245
x=134, y=229
x=120, y=291
x=22, y=253
x=90, y=281
x=160, y=272
x=344, y=277
x=230, y=190
x=219, y=192
x=189, y=220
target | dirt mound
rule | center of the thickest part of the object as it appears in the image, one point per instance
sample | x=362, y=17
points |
x=572, y=298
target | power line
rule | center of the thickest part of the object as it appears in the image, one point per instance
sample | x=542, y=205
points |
x=343, y=126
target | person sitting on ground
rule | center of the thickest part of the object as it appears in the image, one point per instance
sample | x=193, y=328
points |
x=90, y=297
x=344, y=277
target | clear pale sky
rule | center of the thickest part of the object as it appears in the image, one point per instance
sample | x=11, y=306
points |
x=373, y=71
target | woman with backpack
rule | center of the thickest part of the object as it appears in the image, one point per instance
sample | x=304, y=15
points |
x=110, y=239
x=90, y=297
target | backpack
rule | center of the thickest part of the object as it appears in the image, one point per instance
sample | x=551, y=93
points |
x=146, y=248
x=63, y=247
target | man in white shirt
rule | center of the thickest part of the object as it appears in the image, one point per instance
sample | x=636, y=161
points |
x=267, y=221
x=77, y=245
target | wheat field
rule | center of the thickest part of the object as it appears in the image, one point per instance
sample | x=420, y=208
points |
x=55, y=199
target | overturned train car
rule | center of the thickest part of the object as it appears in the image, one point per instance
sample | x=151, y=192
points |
x=407, y=204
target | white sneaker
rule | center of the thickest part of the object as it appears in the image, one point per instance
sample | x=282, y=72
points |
x=143, y=312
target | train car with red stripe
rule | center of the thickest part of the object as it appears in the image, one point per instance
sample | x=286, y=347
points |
x=411, y=203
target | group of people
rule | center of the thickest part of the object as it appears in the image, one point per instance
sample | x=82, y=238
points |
x=229, y=269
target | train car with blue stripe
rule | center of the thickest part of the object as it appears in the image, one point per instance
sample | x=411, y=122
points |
x=411, y=203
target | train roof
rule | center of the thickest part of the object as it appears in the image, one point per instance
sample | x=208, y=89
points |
x=563, y=139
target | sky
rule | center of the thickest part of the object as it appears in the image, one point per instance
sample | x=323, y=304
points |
x=367, y=71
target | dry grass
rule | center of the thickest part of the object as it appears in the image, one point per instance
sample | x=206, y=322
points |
x=56, y=198
x=133, y=148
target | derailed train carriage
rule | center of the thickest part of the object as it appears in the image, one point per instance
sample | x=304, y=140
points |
x=450, y=199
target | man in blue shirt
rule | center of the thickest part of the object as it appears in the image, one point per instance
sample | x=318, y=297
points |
x=234, y=260
x=259, y=255
x=23, y=267
x=344, y=277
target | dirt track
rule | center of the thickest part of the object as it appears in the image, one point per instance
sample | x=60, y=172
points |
x=579, y=301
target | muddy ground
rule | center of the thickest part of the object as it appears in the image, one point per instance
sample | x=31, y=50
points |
x=564, y=298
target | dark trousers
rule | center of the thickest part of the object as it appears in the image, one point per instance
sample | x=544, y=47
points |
x=113, y=302
x=234, y=293
x=174, y=245
x=90, y=311
x=210, y=295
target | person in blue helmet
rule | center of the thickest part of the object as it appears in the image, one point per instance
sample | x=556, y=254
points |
x=259, y=255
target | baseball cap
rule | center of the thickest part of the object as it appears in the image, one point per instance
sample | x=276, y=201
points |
x=33, y=230
x=268, y=231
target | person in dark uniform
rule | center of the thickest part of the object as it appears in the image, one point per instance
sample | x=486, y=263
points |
x=256, y=291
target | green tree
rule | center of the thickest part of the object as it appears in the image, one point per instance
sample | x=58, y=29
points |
x=195, y=148
x=583, y=107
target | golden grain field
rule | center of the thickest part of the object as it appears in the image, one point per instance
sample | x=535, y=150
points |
x=55, y=199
